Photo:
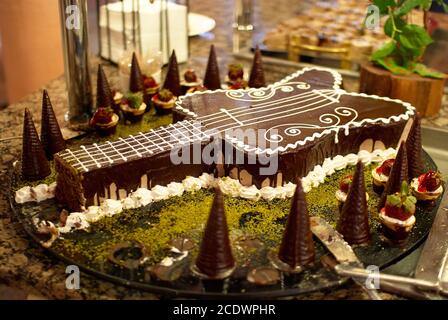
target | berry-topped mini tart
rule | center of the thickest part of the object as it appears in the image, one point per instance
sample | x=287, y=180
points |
x=133, y=106
x=189, y=81
x=235, y=73
x=151, y=89
x=427, y=186
x=118, y=96
x=238, y=84
x=164, y=101
x=381, y=173
x=196, y=89
x=104, y=121
x=344, y=185
x=397, y=216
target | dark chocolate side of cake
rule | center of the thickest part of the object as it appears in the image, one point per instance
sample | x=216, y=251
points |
x=78, y=190
x=298, y=162
x=69, y=191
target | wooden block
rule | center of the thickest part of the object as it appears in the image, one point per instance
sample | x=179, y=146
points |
x=425, y=94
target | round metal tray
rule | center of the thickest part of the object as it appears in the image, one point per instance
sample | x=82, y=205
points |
x=379, y=252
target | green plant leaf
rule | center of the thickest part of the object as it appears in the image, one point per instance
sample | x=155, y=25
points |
x=424, y=71
x=409, y=206
x=443, y=4
x=414, y=36
x=426, y=5
x=409, y=55
x=404, y=188
x=388, y=25
x=390, y=64
x=384, y=51
x=383, y=4
x=393, y=200
x=407, y=6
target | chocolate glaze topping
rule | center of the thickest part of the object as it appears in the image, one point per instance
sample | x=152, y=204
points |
x=297, y=247
x=104, y=97
x=306, y=107
x=172, y=79
x=398, y=174
x=353, y=222
x=136, y=76
x=34, y=163
x=414, y=149
x=256, y=79
x=212, y=80
x=51, y=135
x=215, y=254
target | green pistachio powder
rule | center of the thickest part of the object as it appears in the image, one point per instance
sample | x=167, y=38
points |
x=158, y=223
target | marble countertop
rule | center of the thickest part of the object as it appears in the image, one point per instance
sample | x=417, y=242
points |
x=26, y=270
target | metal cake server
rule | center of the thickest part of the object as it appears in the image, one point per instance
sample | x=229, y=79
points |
x=340, y=249
x=431, y=274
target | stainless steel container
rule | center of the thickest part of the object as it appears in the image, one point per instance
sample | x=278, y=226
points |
x=73, y=14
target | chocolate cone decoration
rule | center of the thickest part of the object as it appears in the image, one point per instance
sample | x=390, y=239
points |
x=104, y=97
x=256, y=79
x=136, y=76
x=398, y=174
x=414, y=149
x=34, y=163
x=172, y=80
x=215, y=255
x=297, y=247
x=50, y=134
x=212, y=80
x=354, y=219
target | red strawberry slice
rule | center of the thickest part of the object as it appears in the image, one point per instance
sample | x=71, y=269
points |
x=385, y=167
x=344, y=184
x=397, y=213
x=429, y=182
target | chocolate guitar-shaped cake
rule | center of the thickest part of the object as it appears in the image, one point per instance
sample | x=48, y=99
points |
x=300, y=120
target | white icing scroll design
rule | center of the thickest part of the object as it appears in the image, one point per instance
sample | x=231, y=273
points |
x=328, y=120
x=263, y=94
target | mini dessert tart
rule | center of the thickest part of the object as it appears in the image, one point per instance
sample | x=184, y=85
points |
x=381, y=173
x=238, y=84
x=196, y=89
x=236, y=72
x=151, y=89
x=427, y=186
x=164, y=101
x=104, y=121
x=397, y=216
x=133, y=106
x=190, y=81
x=118, y=96
x=344, y=185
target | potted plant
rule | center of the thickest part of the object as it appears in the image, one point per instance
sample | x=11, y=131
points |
x=396, y=69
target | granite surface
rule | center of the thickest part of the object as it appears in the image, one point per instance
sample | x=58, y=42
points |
x=26, y=270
